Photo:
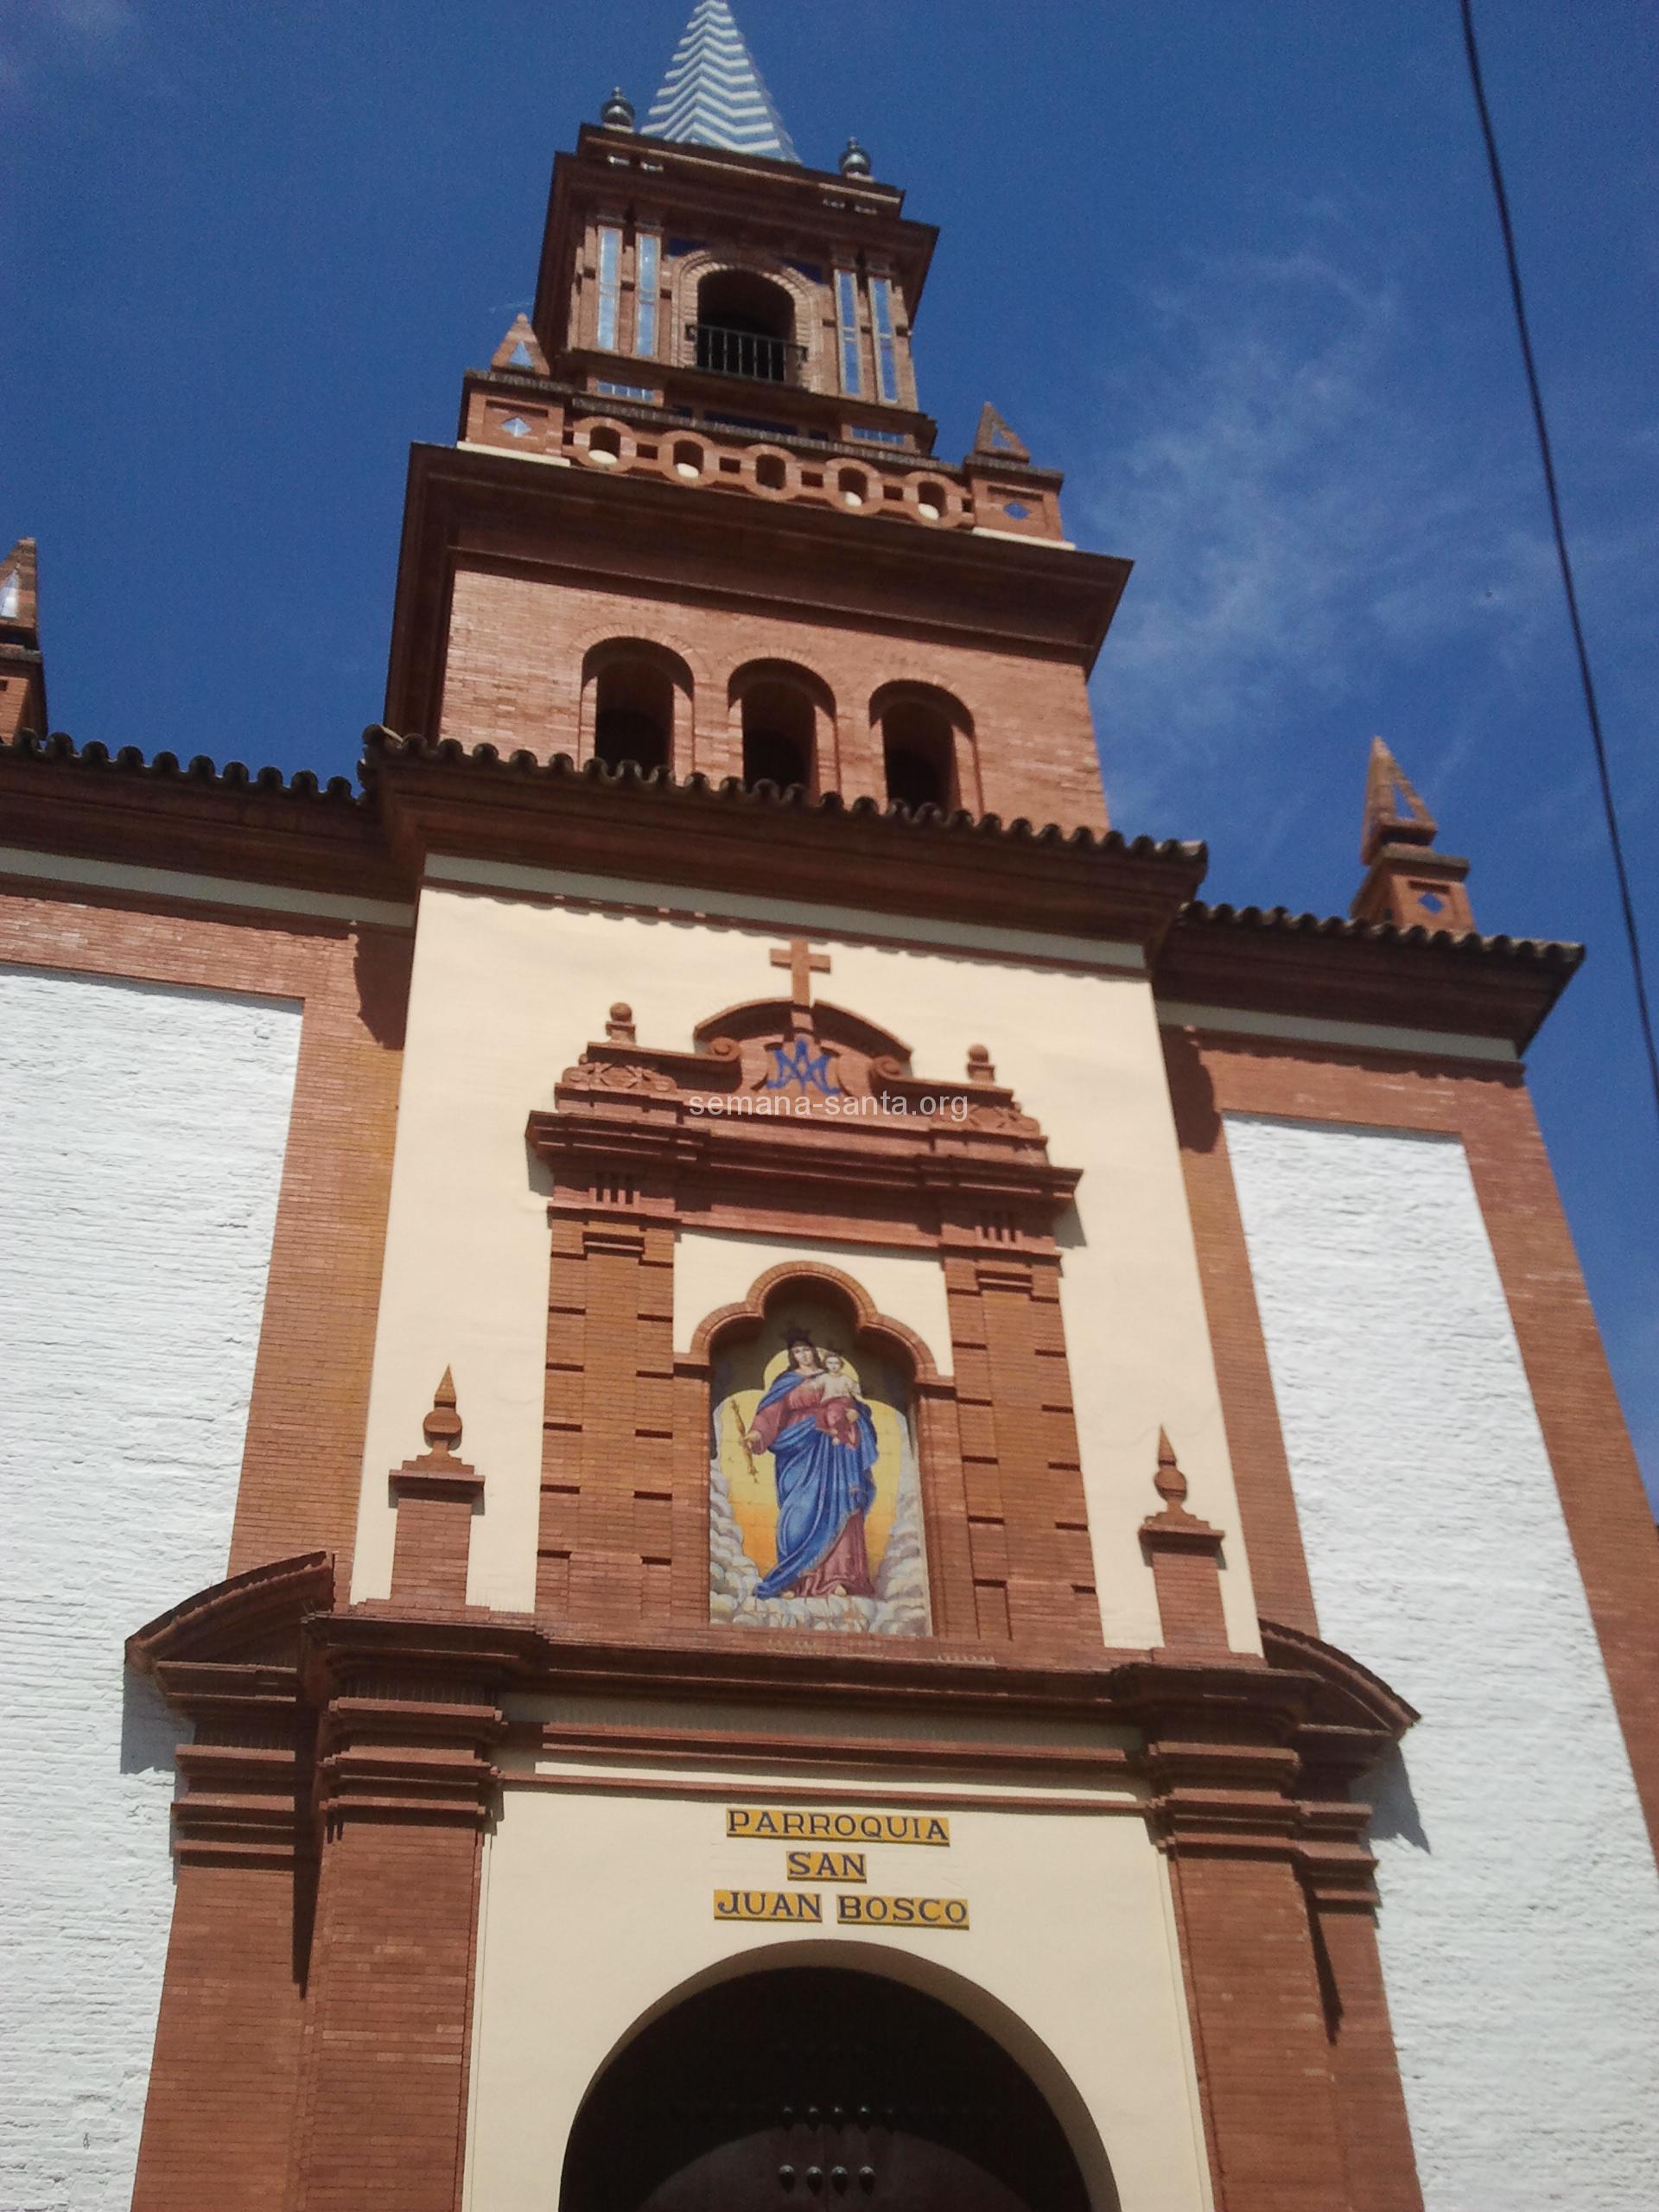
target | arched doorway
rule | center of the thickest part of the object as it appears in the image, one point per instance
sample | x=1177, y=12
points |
x=812, y=2085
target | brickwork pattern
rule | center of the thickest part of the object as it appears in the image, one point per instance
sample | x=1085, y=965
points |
x=1264, y=2058
x=226, y=2068
x=302, y=1459
x=608, y=1547
x=517, y=648
x=390, y=2015
x=1022, y=1473
x=146, y=1127
x=1440, y=1549
x=1488, y=1108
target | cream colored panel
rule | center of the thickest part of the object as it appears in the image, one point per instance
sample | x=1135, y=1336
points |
x=596, y=1909
x=1082, y=1053
x=505, y=994
x=711, y=1270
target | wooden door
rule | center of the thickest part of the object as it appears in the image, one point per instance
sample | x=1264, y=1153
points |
x=817, y=2087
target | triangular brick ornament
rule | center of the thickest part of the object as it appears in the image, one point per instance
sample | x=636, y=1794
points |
x=1393, y=813
x=995, y=441
x=520, y=349
x=19, y=594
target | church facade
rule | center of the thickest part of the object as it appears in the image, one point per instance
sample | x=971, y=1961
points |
x=812, y=1491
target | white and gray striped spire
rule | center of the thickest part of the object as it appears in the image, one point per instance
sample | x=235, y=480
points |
x=714, y=95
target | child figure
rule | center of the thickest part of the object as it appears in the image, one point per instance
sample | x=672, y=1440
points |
x=837, y=1412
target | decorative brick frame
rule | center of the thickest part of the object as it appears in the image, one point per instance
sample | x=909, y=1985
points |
x=637, y=1151
x=937, y=1435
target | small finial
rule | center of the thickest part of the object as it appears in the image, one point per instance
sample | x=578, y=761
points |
x=979, y=1064
x=617, y=114
x=1169, y=1482
x=620, y=1025
x=854, y=162
x=442, y=1427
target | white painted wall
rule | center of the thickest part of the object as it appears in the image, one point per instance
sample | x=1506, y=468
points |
x=1520, y=1923
x=144, y=1130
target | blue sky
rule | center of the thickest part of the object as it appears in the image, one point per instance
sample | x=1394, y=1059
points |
x=1235, y=268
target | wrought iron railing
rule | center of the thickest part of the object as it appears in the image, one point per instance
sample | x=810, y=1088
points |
x=746, y=353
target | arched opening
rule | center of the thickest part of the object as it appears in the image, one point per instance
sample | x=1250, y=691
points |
x=810, y=2081
x=918, y=750
x=634, y=695
x=783, y=725
x=779, y=735
x=746, y=327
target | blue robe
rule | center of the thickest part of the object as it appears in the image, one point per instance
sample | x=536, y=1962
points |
x=821, y=1485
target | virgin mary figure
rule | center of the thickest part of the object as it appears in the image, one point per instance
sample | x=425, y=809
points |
x=822, y=1437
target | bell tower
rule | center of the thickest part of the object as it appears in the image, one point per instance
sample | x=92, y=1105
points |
x=694, y=522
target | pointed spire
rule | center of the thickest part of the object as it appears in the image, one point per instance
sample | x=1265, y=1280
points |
x=520, y=349
x=19, y=594
x=714, y=95
x=1407, y=881
x=1393, y=813
x=995, y=441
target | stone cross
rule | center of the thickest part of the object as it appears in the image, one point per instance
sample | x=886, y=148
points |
x=802, y=964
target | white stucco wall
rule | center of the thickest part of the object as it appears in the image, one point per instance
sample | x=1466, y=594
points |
x=1520, y=1922
x=145, y=1137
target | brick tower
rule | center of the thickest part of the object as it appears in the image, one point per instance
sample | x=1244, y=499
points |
x=693, y=518
x=857, y=1480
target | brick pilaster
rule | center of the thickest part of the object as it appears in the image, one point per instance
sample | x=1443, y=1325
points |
x=1027, y=1525
x=1221, y=1756
x=405, y=1781
x=607, y=1546
x=229, y=2033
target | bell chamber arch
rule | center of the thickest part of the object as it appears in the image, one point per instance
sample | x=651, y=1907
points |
x=817, y=2085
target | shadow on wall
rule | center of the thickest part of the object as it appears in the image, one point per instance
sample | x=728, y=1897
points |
x=1395, y=1809
x=150, y=1732
x=382, y=959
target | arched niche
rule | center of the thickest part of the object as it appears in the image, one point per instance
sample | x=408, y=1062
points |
x=816, y=1512
x=783, y=720
x=834, y=2070
x=636, y=706
x=746, y=327
x=924, y=737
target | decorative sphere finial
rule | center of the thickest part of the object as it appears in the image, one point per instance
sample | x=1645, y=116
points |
x=854, y=162
x=618, y=111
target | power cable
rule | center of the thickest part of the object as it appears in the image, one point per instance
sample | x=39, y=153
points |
x=1609, y=808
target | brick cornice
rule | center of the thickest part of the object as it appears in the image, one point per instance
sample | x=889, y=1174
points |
x=440, y=798
x=257, y=826
x=492, y=510
x=1364, y=971
x=407, y=1708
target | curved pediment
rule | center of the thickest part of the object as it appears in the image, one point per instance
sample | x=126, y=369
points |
x=766, y=1021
